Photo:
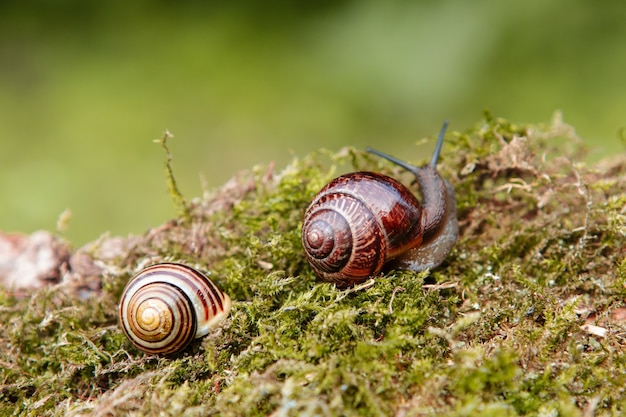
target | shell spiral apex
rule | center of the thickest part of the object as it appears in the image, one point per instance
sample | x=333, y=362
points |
x=165, y=306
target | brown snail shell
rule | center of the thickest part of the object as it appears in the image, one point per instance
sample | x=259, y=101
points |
x=361, y=221
x=166, y=306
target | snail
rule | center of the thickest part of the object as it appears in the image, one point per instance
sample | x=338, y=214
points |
x=165, y=306
x=362, y=221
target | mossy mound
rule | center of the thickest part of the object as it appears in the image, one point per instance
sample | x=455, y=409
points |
x=525, y=317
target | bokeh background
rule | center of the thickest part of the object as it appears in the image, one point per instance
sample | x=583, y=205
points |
x=85, y=87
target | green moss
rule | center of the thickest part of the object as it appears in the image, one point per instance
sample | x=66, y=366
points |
x=497, y=330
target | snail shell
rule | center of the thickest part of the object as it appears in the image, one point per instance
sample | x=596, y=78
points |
x=165, y=306
x=361, y=221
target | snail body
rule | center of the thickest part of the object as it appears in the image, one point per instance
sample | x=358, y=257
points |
x=166, y=306
x=362, y=221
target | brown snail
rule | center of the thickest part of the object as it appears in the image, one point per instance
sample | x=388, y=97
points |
x=362, y=221
x=165, y=306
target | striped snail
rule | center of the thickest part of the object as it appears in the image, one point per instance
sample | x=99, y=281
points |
x=165, y=306
x=362, y=221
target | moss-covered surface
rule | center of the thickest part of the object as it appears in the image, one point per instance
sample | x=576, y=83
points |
x=526, y=316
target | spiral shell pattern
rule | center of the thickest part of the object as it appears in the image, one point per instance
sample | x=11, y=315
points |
x=361, y=221
x=356, y=223
x=165, y=306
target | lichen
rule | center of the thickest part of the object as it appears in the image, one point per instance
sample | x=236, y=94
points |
x=525, y=317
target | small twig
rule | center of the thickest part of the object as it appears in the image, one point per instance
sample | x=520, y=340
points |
x=369, y=283
x=515, y=183
x=393, y=295
x=174, y=191
x=442, y=286
x=583, y=190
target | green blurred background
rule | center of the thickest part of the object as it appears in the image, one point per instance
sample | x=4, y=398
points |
x=86, y=86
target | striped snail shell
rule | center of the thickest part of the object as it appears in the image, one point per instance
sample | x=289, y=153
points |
x=363, y=221
x=165, y=306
